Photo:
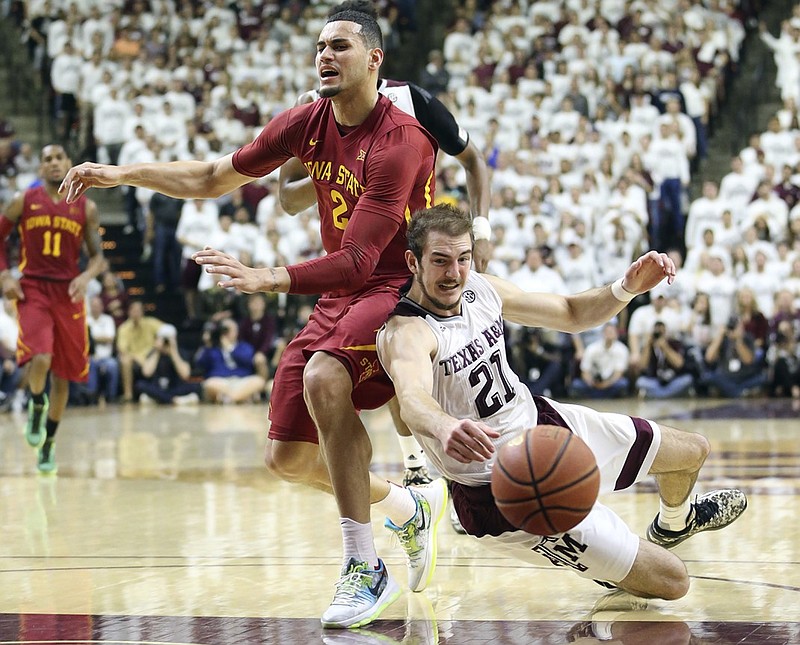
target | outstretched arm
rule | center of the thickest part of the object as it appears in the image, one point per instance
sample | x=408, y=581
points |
x=589, y=308
x=183, y=179
x=405, y=348
x=479, y=195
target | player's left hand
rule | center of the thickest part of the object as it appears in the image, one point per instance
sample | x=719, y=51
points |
x=481, y=254
x=236, y=275
x=77, y=288
x=646, y=272
x=88, y=175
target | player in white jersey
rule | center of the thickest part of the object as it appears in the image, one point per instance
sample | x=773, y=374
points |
x=469, y=403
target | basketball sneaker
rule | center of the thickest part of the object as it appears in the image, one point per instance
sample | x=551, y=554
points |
x=417, y=476
x=35, y=431
x=46, y=463
x=362, y=593
x=418, y=535
x=710, y=512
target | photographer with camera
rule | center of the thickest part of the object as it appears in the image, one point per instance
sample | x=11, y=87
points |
x=665, y=374
x=783, y=359
x=732, y=357
x=165, y=372
x=228, y=365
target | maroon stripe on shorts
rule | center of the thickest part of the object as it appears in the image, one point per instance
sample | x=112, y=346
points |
x=547, y=414
x=636, y=455
x=477, y=511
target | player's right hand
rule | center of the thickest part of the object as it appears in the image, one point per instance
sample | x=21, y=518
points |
x=469, y=441
x=88, y=175
x=12, y=290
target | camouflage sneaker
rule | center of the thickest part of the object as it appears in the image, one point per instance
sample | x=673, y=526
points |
x=418, y=476
x=710, y=512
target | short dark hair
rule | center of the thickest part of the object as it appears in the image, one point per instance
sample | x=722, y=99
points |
x=442, y=218
x=362, y=12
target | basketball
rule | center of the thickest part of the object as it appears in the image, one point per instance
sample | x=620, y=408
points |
x=545, y=481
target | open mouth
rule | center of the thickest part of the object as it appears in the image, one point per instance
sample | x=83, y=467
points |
x=328, y=73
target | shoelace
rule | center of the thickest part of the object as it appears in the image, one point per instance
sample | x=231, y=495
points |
x=407, y=537
x=351, y=584
x=704, y=511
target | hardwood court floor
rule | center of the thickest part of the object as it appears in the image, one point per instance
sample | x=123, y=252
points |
x=162, y=527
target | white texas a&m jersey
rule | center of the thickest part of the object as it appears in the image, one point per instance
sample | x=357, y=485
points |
x=471, y=375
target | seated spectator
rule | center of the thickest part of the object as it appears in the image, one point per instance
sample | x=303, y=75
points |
x=165, y=372
x=10, y=373
x=603, y=367
x=783, y=360
x=114, y=297
x=259, y=328
x=539, y=363
x=103, y=365
x=665, y=374
x=755, y=323
x=227, y=365
x=731, y=358
x=135, y=338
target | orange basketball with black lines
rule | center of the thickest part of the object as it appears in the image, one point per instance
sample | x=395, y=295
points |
x=545, y=481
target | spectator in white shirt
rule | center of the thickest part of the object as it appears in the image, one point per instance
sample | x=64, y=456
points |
x=768, y=213
x=763, y=282
x=704, y=212
x=720, y=287
x=110, y=117
x=198, y=223
x=604, y=366
x=65, y=79
x=534, y=275
x=103, y=365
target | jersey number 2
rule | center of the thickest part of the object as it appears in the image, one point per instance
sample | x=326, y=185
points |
x=339, y=218
x=51, y=244
x=489, y=400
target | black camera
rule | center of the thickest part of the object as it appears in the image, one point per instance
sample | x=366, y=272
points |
x=732, y=322
x=657, y=333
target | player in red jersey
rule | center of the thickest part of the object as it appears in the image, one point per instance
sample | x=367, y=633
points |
x=297, y=193
x=50, y=294
x=372, y=166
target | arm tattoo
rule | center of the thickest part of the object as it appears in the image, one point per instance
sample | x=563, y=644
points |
x=274, y=277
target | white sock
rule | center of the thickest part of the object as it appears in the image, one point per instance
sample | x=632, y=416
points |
x=399, y=505
x=413, y=454
x=673, y=518
x=357, y=541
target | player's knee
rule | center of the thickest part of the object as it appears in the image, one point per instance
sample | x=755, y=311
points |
x=675, y=583
x=288, y=464
x=701, y=448
x=324, y=380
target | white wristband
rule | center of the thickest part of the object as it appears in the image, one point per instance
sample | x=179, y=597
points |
x=481, y=229
x=620, y=292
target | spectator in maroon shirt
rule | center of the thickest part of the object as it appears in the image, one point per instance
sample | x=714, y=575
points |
x=259, y=328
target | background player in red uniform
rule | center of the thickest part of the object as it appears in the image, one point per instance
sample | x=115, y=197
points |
x=372, y=166
x=50, y=294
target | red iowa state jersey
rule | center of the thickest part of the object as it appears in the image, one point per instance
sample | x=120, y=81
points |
x=374, y=175
x=51, y=236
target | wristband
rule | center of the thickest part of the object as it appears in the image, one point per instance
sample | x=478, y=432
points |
x=481, y=229
x=620, y=292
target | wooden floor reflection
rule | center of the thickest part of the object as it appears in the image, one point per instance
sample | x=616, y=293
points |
x=163, y=527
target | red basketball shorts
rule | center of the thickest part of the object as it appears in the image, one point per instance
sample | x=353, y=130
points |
x=345, y=328
x=50, y=323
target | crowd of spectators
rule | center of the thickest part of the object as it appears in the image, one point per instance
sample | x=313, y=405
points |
x=593, y=116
